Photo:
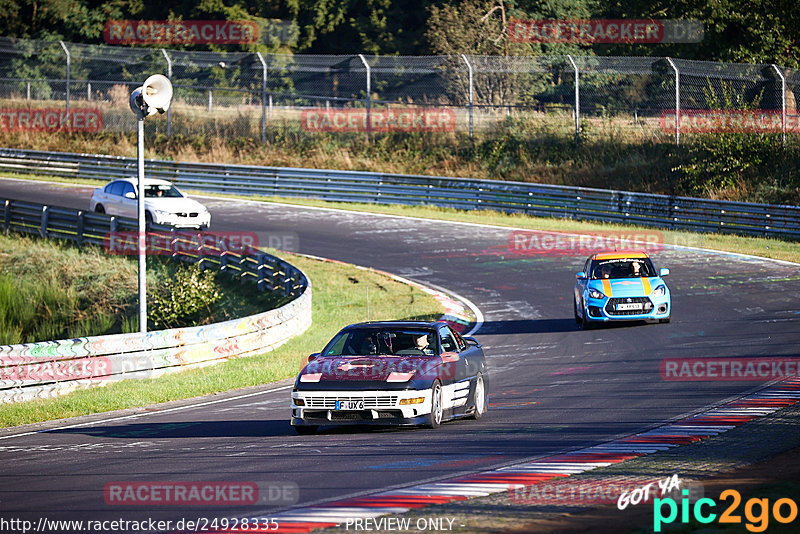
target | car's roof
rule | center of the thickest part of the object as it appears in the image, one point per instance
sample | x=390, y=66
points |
x=618, y=255
x=377, y=325
x=147, y=181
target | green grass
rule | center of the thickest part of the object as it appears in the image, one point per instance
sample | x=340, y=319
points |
x=339, y=298
x=52, y=290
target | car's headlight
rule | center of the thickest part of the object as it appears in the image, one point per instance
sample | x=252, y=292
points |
x=595, y=294
x=310, y=377
x=394, y=376
x=162, y=213
x=660, y=291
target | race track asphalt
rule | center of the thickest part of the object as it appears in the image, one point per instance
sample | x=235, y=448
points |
x=554, y=387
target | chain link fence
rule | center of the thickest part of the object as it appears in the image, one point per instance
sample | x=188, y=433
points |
x=241, y=94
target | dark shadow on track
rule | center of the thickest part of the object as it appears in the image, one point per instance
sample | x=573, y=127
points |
x=545, y=326
x=195, y=429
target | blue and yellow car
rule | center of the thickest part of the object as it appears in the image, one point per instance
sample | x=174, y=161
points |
x=621, y=286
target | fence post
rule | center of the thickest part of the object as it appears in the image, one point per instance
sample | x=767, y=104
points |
x=783, y=102
x=79, y=231
x=169, y=75
x=69, y=61
x=469, y=67
x=210, y=99
x=577, y=101
x=7, y=216
x=43, y=224
x=369, y=91
x=263, y=97
x=677, y=101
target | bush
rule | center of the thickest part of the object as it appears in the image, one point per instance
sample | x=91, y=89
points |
x=183, y=300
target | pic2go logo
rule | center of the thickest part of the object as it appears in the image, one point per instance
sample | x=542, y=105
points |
x=783, y=510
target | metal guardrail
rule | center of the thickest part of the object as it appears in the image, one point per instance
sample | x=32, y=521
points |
x=579, y=203
x=43, y=369
x=85, y=227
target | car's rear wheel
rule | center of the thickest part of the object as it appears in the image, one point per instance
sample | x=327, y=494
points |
x=437, y=408
x=99, y=209
x=306, y=430
x=479, y=398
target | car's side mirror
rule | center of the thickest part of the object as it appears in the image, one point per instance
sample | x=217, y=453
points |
x=663, y=272
x=312, y=357
x=581, y=275
x=472, y=341
x=449, y=357
x=130, y=194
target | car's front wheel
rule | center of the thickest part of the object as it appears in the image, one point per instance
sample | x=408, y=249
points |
x=437, y=408
x=479, y=398
x=586, y=324
x=575, y=311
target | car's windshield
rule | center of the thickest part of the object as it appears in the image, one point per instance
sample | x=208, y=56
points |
x=370, y=341
x=622, y=268
x=161, y=190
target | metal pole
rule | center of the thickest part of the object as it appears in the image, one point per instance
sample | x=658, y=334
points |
x=263, y=97
x=69, y=61
x=783, y=102
x=369, y=91
x=469, y=67
x=677, y=101
x=169, y=75
x=142, y=229
x=577, y=101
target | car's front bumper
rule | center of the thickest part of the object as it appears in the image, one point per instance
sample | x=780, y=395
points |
x=200, y=221
x=604, y=310
x=380, y=407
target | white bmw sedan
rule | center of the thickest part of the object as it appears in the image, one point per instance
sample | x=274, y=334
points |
x=163, y=203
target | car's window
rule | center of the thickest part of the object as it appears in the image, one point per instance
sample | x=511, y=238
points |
x=462, y=345
x=127, y=187
x=114, y=188
x=161, y=191
x=622, y=268
x=448, y=342
x=373, y=341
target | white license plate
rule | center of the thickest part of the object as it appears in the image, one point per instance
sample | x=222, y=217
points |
x=349, y=405
x=629, y=306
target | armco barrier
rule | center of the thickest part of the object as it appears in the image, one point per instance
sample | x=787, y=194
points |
x=44, y=369
x=670, y=212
